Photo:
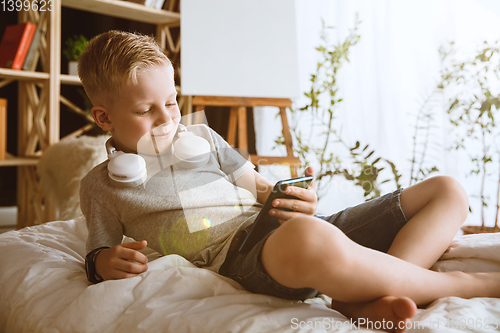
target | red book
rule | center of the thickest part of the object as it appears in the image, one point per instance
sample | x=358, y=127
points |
x=3, y=128
x=15, y=44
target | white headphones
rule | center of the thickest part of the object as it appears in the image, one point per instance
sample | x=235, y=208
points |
x=129, y=170
x=125, y=169
x=191, y=151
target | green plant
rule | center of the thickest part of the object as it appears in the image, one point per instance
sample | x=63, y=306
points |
x=363, y=167
x=359, y=165
x=473, y=111
x=424, y=122
x=74, y=46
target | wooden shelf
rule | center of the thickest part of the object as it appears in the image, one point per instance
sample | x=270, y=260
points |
x=12, y=74
x=39, y=106
x=70, y=79
x=127, y=10
x=19, y=161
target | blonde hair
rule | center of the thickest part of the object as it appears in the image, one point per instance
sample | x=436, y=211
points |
x=112, y=60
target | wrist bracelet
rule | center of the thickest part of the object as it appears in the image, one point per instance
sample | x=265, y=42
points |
x=92, y=275
x=98, y=277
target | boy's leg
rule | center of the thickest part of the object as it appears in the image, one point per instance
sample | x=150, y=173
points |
x=309, y=252
x=435, y=209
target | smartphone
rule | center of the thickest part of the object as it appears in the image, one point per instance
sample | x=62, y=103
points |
x=265, y=222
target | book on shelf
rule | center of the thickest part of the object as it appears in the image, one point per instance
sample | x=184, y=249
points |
x=32, y=55
x=156, y=4
x=15, y=43
x=3, y=128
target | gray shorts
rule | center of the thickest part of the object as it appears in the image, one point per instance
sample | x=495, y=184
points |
x=373, y=224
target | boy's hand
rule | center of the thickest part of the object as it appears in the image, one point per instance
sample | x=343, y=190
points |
x=305, y=204
x=117, y=262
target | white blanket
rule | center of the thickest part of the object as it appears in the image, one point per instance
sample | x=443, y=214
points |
x=43, y=288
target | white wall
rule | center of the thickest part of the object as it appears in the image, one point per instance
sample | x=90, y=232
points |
x=239, y=48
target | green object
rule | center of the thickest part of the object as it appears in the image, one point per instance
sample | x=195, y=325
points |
x=324, y=147
x=74, y=47
x=473, y=112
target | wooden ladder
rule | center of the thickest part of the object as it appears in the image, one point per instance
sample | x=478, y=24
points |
x=238, y=125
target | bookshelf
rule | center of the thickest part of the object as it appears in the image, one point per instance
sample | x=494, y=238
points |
x=12, y=74
x=126, y=10
x=39, y=93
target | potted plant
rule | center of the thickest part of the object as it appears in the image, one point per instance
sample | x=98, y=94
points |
x=74, y=47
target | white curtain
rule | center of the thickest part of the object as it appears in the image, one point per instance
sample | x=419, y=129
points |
x=392, y=69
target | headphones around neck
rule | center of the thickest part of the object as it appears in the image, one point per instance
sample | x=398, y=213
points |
x=125, y=169
x=129, y=169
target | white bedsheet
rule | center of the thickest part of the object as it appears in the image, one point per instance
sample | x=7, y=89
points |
x=43, y=288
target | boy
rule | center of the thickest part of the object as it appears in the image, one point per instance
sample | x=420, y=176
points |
x=130, y=83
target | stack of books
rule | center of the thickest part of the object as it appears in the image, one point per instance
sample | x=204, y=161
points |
x=19, y=46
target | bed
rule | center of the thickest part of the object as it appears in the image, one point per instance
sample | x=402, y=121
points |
x=43, y=288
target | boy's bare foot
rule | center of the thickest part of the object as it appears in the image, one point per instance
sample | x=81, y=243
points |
x=387, y=313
